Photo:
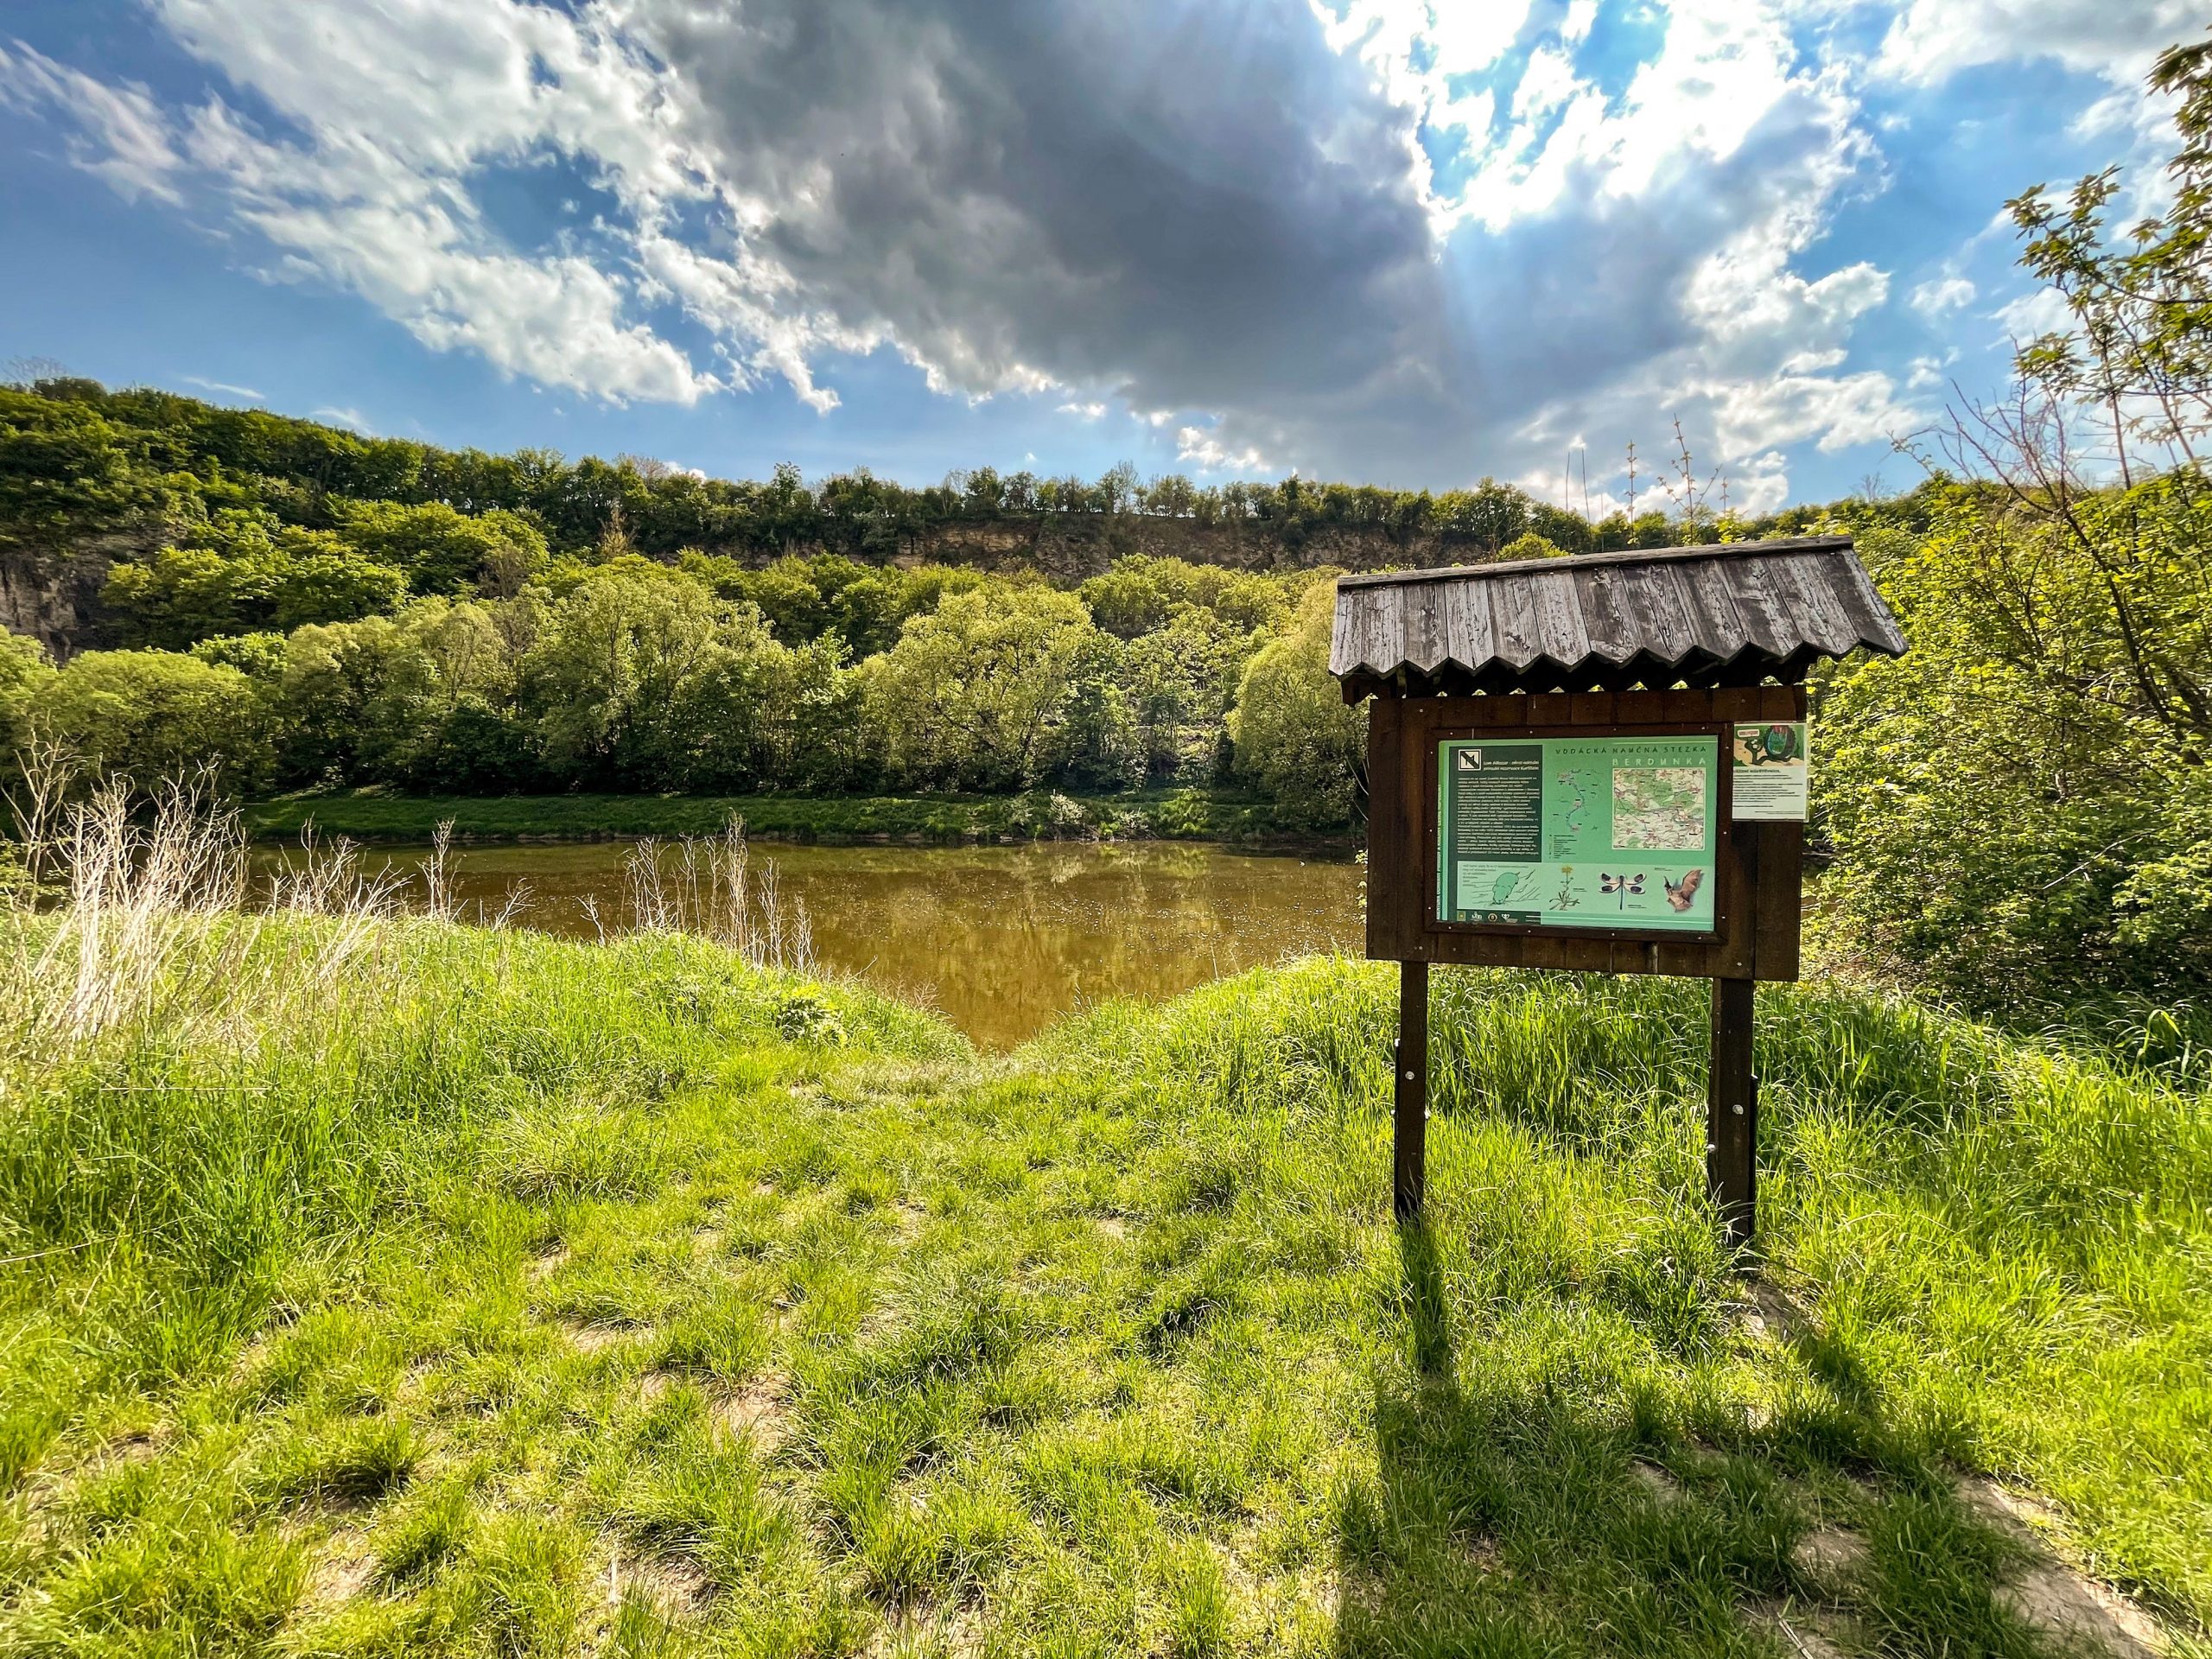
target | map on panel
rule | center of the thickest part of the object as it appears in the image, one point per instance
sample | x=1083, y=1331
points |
x=1659, y=807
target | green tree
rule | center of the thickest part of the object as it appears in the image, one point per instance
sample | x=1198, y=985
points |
x=327, y=581
x=259, y=657
x=243, y=571
x=186, y=593
x=613, y=681
x=444, y=551
x=441, y=713
x=152, y=716
x=1181, y=680
x=25, y=672
x=759, y=714
x=1135, y=596
x=1100, y=745
x=787, y=594
x=2011, y=819
x=334, y=673
x=2017, y=809
x=1531, y=546
x=972, y=695
x=1295, y=737
x=67, y=470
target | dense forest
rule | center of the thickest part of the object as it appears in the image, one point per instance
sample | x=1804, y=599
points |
x=2018, y=810
x=300, y=606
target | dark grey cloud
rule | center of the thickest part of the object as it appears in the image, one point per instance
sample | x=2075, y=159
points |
x=1212, y=211
x=1172, y=200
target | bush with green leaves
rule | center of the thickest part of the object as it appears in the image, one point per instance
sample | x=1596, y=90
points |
x=244, y=571
x=1295, y=737
x=24, y=670
x=975, y=694
x=2012, y=816
x=152, y=716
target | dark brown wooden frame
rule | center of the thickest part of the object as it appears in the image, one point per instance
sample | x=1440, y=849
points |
x=1757, y=870
x=1758, y=875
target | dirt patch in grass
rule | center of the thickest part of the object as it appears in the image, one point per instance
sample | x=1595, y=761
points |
x=671, y=1586
x=340, y=1575
x=923, y=1628
x=2066, y=1606
x=756, y=1412
x=1831, y=1557
x=1661, y=1486
x=597, y=1338
x=1807, y=1633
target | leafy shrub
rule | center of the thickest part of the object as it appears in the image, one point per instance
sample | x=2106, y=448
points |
x=153, y=716
x=1295, y=737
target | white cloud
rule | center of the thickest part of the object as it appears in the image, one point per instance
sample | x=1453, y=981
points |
x=1626, y=257
x=1930, y=40
x=1276, y=246
x=348, y=417
x=224, y=387
x=123, y=137
x=1939, y=296
x=1202, y=450
x=1925, y=374
x=2042, y=311
x=376, y=194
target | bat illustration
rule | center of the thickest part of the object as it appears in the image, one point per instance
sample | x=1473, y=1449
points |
x=1679, y=893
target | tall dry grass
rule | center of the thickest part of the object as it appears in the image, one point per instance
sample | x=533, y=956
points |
x=704, y=886
x=139, y=912
x=134, y=919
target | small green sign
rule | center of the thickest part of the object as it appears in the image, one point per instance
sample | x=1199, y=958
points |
x=1768, y=784
x=1615, y=832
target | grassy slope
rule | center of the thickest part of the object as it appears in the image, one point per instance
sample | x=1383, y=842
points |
x=1182, y=814
x=550, y=1297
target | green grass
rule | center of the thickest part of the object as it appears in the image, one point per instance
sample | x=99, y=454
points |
x=545, y=1299
x=1178, y=814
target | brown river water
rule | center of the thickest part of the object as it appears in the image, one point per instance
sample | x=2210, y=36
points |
x=1000, y=939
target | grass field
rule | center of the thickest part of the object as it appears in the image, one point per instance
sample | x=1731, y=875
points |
x=1181, y=815
x=385, y=1286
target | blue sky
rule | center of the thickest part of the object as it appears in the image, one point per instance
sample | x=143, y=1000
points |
x=1411, y=242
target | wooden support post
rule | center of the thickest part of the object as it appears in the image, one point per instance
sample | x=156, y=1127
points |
x=1733, y=1111
x=1410, y=1122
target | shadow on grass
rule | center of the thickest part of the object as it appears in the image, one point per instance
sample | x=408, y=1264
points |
x=1524, y=1507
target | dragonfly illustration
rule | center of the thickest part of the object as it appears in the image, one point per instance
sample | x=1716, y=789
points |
x=1623, y=885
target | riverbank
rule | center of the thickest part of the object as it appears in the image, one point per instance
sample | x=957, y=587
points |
x=381, y=1286
x=1001, y=939
x=1167, y=815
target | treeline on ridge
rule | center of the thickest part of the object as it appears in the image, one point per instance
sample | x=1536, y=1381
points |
x=296, y=605
x=76, y=459
x=626, y=673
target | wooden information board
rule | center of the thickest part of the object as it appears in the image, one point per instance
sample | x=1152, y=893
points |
x=1597, y=763
x=1593, y=832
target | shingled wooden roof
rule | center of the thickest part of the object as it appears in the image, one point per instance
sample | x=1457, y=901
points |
x=1731, y=614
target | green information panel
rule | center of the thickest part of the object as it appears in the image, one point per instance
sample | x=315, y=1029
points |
x=1579, y=832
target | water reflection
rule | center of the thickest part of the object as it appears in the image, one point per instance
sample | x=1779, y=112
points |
x=1000, y=938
